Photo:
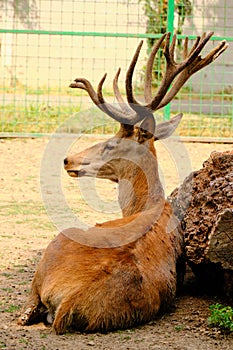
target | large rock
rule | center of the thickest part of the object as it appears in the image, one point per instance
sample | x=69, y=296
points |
x=204, y=205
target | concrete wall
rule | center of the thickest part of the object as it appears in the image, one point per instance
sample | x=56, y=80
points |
x=217, y=16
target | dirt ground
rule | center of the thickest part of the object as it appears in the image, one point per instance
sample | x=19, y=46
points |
x=26, y=230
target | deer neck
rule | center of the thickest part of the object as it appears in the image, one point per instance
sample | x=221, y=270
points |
x=140, y=188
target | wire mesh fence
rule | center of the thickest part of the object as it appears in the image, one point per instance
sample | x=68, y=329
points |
x=46, y=44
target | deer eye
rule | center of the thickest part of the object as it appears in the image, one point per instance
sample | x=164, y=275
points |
x=108, y=147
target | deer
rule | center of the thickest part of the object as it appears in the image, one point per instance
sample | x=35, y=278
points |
x=125, y=272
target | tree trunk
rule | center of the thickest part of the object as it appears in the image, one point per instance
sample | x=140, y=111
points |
x=204, y=205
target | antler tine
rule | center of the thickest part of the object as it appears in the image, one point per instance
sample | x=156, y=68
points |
x=185, y=49
x=173, y=69
x=125, y=108
x=172, y=49
x=111, y=110
x=129, y=76
x=98, y=99
x=198, y=46
x=196, y=43
x=198, y=64
x=119, y=115
x=116, y=88
x=166, y=47
x=168, y=76
x=210, y=57
x=84, y=84
x=141, y=111
x=169, y=49
x=99, y=89
x=149, y=68
x=173, y=45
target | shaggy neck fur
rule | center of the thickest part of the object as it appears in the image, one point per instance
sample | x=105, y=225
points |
x=140, y=188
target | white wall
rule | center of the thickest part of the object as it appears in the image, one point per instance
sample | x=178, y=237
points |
x=53, y=60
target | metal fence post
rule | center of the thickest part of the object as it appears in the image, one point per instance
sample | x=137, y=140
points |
x=170, y=28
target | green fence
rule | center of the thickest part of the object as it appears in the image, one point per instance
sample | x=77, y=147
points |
x=46, y=44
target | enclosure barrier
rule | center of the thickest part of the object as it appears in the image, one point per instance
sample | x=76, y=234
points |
x=46, y=44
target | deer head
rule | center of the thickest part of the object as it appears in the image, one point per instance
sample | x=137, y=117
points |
x=132, y=147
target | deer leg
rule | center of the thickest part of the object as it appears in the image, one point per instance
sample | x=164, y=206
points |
x=32, y=310
x=63, y=316
x=35, y=312
x=68, y=316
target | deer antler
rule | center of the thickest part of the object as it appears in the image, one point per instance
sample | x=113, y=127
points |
x=178, y=73
x=193, y=64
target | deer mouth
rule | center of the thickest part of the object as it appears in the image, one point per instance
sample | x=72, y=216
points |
x=76, y=173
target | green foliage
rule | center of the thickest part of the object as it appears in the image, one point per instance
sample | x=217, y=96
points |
x=179, y=328
x=2, y=345
x=221, y=317
x=11, y=308
x=34, y=117
x=156, y=13
x=25, y=10
x=38, y=118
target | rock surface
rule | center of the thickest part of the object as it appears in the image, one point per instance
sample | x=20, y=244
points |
x=204, y=205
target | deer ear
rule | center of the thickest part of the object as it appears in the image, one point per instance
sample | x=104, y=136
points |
x=165, y=129
x=146, y=129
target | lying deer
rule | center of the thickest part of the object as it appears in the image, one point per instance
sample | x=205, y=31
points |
x=124, y=272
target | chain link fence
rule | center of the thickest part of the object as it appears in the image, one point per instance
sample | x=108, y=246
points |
x=46, y=44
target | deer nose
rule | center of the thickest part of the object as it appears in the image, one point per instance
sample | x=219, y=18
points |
x=66, y=161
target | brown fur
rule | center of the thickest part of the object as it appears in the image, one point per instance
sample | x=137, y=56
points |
x=127, y=280
x=99, y=289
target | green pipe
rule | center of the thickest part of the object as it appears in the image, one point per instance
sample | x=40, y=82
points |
x=103, y=34
x=170, y=28
x=58, y=32
x=170, y=16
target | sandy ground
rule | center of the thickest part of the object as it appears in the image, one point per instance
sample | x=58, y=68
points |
x=26, y=230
